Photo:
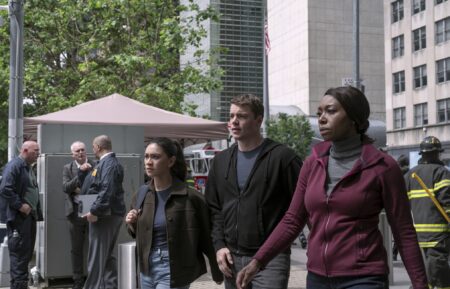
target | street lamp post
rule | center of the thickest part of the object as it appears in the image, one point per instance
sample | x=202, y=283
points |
x=355, y=50
x=15, y=118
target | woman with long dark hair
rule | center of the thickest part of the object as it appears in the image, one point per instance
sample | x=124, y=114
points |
x=343, y=186
x=170, y=222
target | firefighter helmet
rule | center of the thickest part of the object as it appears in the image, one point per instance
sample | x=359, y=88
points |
x=429, y=144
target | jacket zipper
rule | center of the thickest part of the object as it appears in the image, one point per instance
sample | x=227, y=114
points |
x=326, y=237
x=328, y=218
x=247, y=182
x=237, y=224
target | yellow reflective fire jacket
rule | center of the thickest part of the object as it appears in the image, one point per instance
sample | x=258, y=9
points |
x=431, y=226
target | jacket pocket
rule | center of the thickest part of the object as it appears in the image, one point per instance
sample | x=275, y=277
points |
x=368, y=240
x=15, y=243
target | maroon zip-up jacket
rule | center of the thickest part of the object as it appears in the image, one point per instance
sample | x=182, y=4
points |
x=344, y=239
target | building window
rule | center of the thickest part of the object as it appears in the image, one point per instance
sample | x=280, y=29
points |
x=420, y=76
x=443, y=110
x=397, y=10
x=398, y=46
x=398, y=82
x=419, y=39
x=442, y=30
x=440, y=1
x=399, y=117
x=443, y=70
x=421, y=114
x=418, y=6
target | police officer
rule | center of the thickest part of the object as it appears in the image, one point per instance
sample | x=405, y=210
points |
x=431, y=227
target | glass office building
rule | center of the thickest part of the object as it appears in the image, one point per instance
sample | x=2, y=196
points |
x=239, y=34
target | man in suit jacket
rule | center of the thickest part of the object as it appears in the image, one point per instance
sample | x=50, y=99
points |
x=78, y=226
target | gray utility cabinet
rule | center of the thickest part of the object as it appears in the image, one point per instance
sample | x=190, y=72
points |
x=53, y=240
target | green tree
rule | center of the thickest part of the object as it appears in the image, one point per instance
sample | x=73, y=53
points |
x=76, y=51
x=291, y=130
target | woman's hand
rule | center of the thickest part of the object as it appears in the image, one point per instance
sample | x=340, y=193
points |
x=247, y=274
x=131, y=217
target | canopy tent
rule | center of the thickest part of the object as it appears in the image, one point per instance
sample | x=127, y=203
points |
x=117, y=109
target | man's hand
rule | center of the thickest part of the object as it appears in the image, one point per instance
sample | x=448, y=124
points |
x=247, y=274
x=224, y=260
x=25, y=209
x=85, y=167
x=90, y=217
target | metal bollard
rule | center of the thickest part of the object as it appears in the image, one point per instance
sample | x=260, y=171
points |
x=128, y=279
x=385, y=230
x=4, y=263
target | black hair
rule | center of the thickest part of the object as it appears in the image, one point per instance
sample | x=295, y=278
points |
x=173, y=148
x=356, y=107
x=403, y=163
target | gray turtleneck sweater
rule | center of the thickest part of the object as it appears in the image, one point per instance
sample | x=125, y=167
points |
x=343, y=156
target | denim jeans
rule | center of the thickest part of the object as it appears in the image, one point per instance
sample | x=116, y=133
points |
x=274, y=276
x=314, y=281
x=159, y=271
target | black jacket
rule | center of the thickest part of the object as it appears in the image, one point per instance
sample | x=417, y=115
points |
x=243, y=221
x=106, y=181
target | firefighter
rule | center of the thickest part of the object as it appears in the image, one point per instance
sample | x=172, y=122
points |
x=431, y=226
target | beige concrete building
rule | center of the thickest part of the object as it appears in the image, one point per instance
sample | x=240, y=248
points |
x=311, y=43
x=417, y=58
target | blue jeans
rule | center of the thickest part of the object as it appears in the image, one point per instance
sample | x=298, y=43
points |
x=274, y=276
x=315, y=281
x=159, y=271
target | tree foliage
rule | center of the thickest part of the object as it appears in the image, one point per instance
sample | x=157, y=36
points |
x=76, y=51
x=292, y=130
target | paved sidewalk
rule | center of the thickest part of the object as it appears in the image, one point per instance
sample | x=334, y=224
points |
x=297, y=279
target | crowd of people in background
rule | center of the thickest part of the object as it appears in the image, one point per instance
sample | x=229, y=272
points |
x=259, y=196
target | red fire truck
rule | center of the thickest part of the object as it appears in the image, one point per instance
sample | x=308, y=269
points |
x=199, y=164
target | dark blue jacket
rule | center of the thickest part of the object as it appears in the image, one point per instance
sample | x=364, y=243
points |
x=106, y=181
x=12, y=189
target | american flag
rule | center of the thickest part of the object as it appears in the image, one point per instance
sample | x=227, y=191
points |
x=266, y=37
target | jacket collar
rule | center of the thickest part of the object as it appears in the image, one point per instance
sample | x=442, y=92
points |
x=370, y=155
x=267, y=146
x=22, y=161
x=178, y=187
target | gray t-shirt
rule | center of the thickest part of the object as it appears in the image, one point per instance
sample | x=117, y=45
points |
x=245, y=163
x=159, y=222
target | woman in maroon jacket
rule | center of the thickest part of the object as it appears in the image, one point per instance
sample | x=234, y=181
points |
x=343, y=186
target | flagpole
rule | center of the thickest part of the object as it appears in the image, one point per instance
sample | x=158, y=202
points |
x=266, y=45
